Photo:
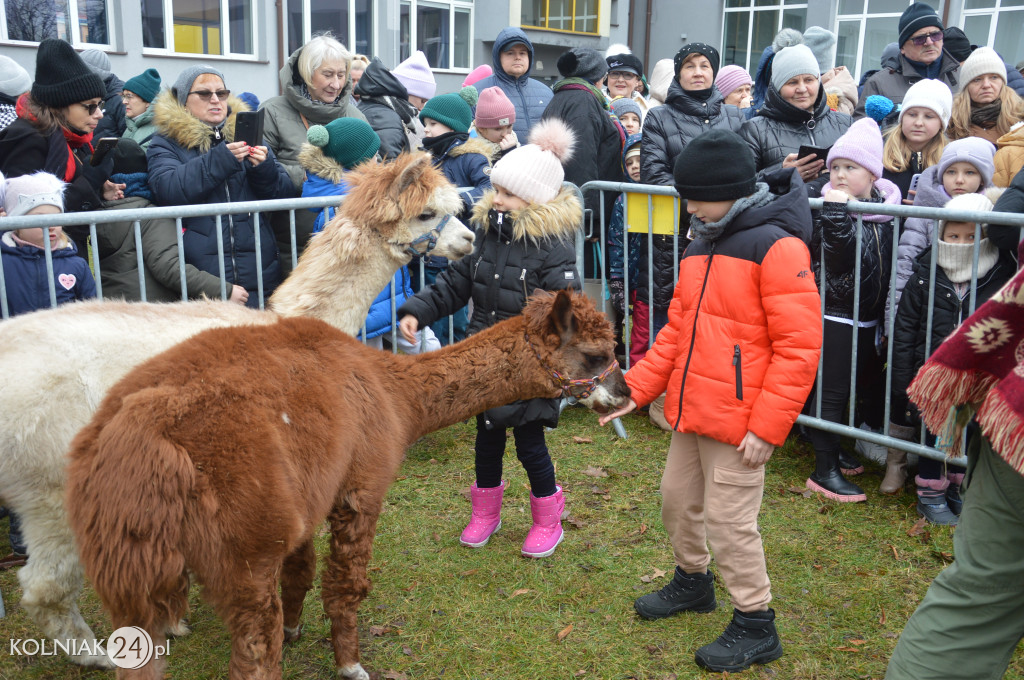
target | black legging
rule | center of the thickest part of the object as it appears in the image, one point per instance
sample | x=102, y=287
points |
x=531, y=450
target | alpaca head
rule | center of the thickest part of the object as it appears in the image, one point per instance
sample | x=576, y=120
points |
x=408, y=200
x=576, y=346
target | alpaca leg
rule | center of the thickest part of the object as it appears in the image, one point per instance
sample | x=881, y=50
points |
x=154, y=669
x=252, y=613
x=344, y=583
x=296, y=579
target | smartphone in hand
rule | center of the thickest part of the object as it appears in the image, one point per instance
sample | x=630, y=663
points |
x=249, y=127
x=102, y=148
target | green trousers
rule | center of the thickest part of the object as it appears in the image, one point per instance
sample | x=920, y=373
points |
x=972, y=616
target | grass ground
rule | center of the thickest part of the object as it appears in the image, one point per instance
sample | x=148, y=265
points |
x=845, y=577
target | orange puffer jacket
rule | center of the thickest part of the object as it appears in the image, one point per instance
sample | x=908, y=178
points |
x=741, y=347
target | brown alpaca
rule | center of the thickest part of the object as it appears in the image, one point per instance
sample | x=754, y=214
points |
x=222, y=455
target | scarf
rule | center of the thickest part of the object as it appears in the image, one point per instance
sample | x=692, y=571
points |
x=701, y=95
x=986, y=115
x=980, y=368
x=931, y=70
x=711, y=231
x=957, y=259
x=304, y=91
x=73, y=140
x=582, y=84
x=439, y=146
x=135, y=184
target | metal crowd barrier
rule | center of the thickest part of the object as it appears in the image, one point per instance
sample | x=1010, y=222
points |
x=646, y=193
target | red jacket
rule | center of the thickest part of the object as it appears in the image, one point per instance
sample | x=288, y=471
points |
x=741, y=347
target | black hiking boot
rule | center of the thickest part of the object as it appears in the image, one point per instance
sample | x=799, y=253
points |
x=693, y=592
x=748, y=639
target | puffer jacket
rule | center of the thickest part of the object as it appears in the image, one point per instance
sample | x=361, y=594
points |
x=950, y=310
x=189, y=164
x=893, y=80
x=140, y=128
x=1012, y=201
x=530, y=97
x=1010, y=157
x=779, y=129
x=836, y=229
x=515, y=253
x=468, y=164
x=25, y=276
x=741, y=347
x=669, y=128
x=112, y=124
x=384, y=102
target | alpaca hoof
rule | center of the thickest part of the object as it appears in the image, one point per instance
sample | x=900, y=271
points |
x=179, y=629
x=293, y=634
x=353, y=672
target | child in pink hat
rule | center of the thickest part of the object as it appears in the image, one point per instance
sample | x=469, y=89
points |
x=495, y=116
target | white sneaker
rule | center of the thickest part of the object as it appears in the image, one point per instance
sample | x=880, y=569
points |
x=873, y=452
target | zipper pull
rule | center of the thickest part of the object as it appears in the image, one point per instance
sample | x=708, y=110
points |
x=501, y=218
x=522, y=277
x=736, y=355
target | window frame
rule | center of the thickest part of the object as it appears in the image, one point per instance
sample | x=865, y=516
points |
x=572, y=31
x=113, y=9
x=452, y=6
x=994, y=13
x=779, y=6
x=225, y=34
x=862, y=18
x=349, y=40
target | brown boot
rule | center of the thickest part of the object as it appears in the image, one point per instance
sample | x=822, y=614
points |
x=895, y=472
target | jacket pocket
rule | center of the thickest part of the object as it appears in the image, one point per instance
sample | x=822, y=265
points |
x=737, y=361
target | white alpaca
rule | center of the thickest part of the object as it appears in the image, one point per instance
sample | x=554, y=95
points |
x=56, y=365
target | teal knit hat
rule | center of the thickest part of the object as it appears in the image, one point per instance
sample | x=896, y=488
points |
x=350, y=141
x=454, y=110
x=146, y=85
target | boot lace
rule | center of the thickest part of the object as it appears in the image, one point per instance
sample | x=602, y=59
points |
x=675, y=587
x=733, y=634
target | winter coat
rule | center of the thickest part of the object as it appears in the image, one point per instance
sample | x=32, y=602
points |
x=384, y=102
x=1011, y=201
x=950, y=309
x=141, y=128
x=513, y=256
x=597, y=154
x=903, y=179
x=25, y=276
x=836, y=229
x=741, y=347
x=114, y=115
x=617, y=230
x=669, y=128
x=1010, y=157
x=119, y=264
x=893, y=81
x=530, y=97
x=468, y=164
x=780, y=128
x=839, y=83
x=8, y=114
x=188, y=165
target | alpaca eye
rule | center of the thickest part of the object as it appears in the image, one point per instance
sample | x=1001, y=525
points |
x=427, y=216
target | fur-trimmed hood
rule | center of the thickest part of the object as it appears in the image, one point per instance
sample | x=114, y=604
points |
x=558, y=219
x=488, y=150
x=173, y=121
x=314, y=161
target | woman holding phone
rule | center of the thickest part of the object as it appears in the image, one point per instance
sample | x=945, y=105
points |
x=795, y=115
x=194, y=158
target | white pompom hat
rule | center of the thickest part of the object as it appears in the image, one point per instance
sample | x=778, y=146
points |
x=534, y=172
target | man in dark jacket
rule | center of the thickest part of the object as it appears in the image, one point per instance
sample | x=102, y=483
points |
x=113, y=122
x=385, y=103
x=512, y=55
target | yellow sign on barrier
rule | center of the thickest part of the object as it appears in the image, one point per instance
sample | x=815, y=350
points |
x=659, y=212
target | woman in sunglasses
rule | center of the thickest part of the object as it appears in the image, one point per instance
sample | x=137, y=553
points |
x=54, y=129
x=195, y=159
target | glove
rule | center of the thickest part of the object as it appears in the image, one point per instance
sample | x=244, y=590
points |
x=617, y=295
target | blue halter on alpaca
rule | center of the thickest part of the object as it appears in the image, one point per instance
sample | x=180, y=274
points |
x=430, y=238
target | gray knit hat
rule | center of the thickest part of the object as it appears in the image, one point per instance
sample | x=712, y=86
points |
x=183, y=84
x=98, y=62
x=822, y=42
x=14, y=79
x=793, y=61
x=583, y=62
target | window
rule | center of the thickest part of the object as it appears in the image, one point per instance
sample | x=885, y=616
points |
x=224, y=27
x=442, y=30
x=997, y=23
x=574, y=16
x=36, y=20
x=864, y=28
x=748, y=30
x=350, y=21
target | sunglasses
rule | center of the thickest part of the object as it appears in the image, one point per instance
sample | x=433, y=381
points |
x=91, y=108
x=920, y=40
x=205, y=95
x=622, y=75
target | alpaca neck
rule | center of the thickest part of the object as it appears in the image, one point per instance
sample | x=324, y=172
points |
x=338, y=277
x=489, y=369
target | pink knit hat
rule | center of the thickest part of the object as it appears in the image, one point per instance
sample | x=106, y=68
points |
x=861, y=144
x=416, y=75
x=494, y=109
x=534, y=172
x=479, y=73
x=732, y=77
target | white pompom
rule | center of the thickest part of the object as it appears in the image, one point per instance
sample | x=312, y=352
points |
x=555, y=136
x=617, y=48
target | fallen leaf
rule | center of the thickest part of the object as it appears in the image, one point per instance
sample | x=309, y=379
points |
x=411, y=586
x=520, y=591
x=943, y=556
x=918, y=528
x=575, y=521
x=799, y=490
x=646, y=579
x=895, y=554
x=592, y=471
x=469, y=572
x=643, y=529
x=435, y=537
x=407, y=651
x=378, y=631
x=394, y=675
x=564, y=632
x=583, y=440
x=881, y=619
x=658, y=573
x=432, y=461
x=847, y=649
x=857, y=641
x=580, y=673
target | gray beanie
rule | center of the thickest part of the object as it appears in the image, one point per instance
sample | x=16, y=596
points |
x=823, y=44
x=14, y=80
x=98, y=62
x=582, y=62
x=793, y=61
x=183, y=84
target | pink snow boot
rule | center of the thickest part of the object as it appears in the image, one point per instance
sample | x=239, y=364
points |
x=486, y=518
x=546, y=532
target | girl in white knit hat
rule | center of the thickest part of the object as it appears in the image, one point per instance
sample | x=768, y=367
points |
x=526, y=226
x=917, y=141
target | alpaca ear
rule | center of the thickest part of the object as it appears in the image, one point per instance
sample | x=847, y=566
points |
x=562, y=317
x=410, y=175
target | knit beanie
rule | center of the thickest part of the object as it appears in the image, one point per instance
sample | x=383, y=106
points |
x=982, y=60
x=251, y=100
x=98, y=62
x=930, y=94
x=732, y=77
x=128, y=158
x=454, y=109
x=14, y=79
x=822, y=43
x=582, y=62
x=916, y=17
x=625, y=62
x=416, y=75
x=791, y=62
x=862, y=144
x=877, y=107
x=979, y=202
x=533, y=172
x=974, y=150
x=62, y=78
x=146, y=84
x=716, y=166
x=183, y=85
x=27, y=192
x=479, y=73
x=620, y=106
x=956, y=42
x=349, y=141
x=661, y=79
x=787, y=37
x=494, y=109
x=696, y=48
